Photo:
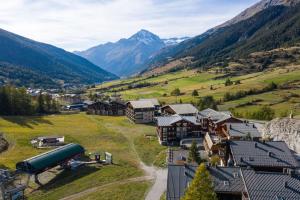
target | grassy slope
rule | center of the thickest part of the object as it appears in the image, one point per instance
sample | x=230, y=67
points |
x=188, y=81
x=127, y=191
x=95, y=133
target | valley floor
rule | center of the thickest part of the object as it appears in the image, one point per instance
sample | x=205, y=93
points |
x=282, y=100
x=125, y=140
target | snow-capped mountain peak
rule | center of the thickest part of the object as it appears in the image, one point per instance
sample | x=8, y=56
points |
x=145, y=37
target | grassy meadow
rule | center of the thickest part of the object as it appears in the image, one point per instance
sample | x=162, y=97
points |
x=281, y=100
x=128, y=191
x=97, y=134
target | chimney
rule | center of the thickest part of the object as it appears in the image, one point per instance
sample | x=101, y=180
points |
x=285, y=184
x=255, y=144
x=291, y=172
x=230, y=127
x=241, y=159
x=269, y=153
x=291, y=115
x=285, y=171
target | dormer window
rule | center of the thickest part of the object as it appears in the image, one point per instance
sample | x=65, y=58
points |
x=226, y=183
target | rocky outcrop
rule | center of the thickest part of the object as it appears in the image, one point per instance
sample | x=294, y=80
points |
x=3, y=143
x=285, y=129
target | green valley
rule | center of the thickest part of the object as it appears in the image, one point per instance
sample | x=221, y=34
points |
x=97, y=134
x=209, y=83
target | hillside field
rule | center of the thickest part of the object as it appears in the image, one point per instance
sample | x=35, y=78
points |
x=282, y=100
x=97, y=134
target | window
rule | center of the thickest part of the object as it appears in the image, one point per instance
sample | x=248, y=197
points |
x=226, y=183
x=235, y=174
x=251, y=158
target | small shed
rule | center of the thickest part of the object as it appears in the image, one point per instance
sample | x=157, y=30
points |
x=50, y=159
x=48, y=141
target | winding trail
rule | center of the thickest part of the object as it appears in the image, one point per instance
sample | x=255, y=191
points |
x=94, y=189
x=160, y=181
x=156, y=175
x=159, y=176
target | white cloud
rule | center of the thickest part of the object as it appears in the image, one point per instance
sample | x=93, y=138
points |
x=79, y=24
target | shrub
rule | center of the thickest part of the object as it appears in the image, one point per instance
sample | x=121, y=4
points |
x=228, y=82
x=176, y=92
x=195, y=93
x=207, y=102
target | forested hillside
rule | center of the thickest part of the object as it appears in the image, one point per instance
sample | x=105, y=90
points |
x=274, y=27
x=27, y=62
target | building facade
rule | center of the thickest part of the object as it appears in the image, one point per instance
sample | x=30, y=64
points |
x=140, y=112
x=175, y=128
x=108, y=108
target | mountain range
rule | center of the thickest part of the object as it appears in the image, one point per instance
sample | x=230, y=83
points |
x=127, y=56
x=267, y=25
x=25, y=62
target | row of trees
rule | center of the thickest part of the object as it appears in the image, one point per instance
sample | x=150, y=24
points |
x=228, y=82
x=263, y=113
x=240, y=94
x=15, y=101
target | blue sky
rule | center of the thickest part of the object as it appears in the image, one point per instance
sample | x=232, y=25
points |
x=79, y=24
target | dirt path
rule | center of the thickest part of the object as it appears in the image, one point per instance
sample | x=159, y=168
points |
x=160, y=181
x=94, y=189
x=154, y=174
x=158, y=176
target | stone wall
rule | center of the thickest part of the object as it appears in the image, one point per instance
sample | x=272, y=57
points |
x=285, y=129
x=3, y=143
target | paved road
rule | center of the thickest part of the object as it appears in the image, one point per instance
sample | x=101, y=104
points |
x=160, y=181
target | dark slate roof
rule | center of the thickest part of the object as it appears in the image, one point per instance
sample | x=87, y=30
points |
x=142, y=104
x=225, y=180
x=271, y=186
x=178, y=178
x=154, y=101
x=169, y=120
x=183, y=109
x=216, y=116
x=258, y=154
x=242, y=129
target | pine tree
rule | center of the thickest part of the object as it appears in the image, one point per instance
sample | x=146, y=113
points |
x=41, y=104
x=195, y=93
x=176, y=92
x=201, y=187
x=48, y=103
x=228, y=82
x=194, y=156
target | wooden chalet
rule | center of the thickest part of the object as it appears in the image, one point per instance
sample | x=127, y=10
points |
x=175, y=128
x=212, y=121
x=141, y=111
x=107, y=108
